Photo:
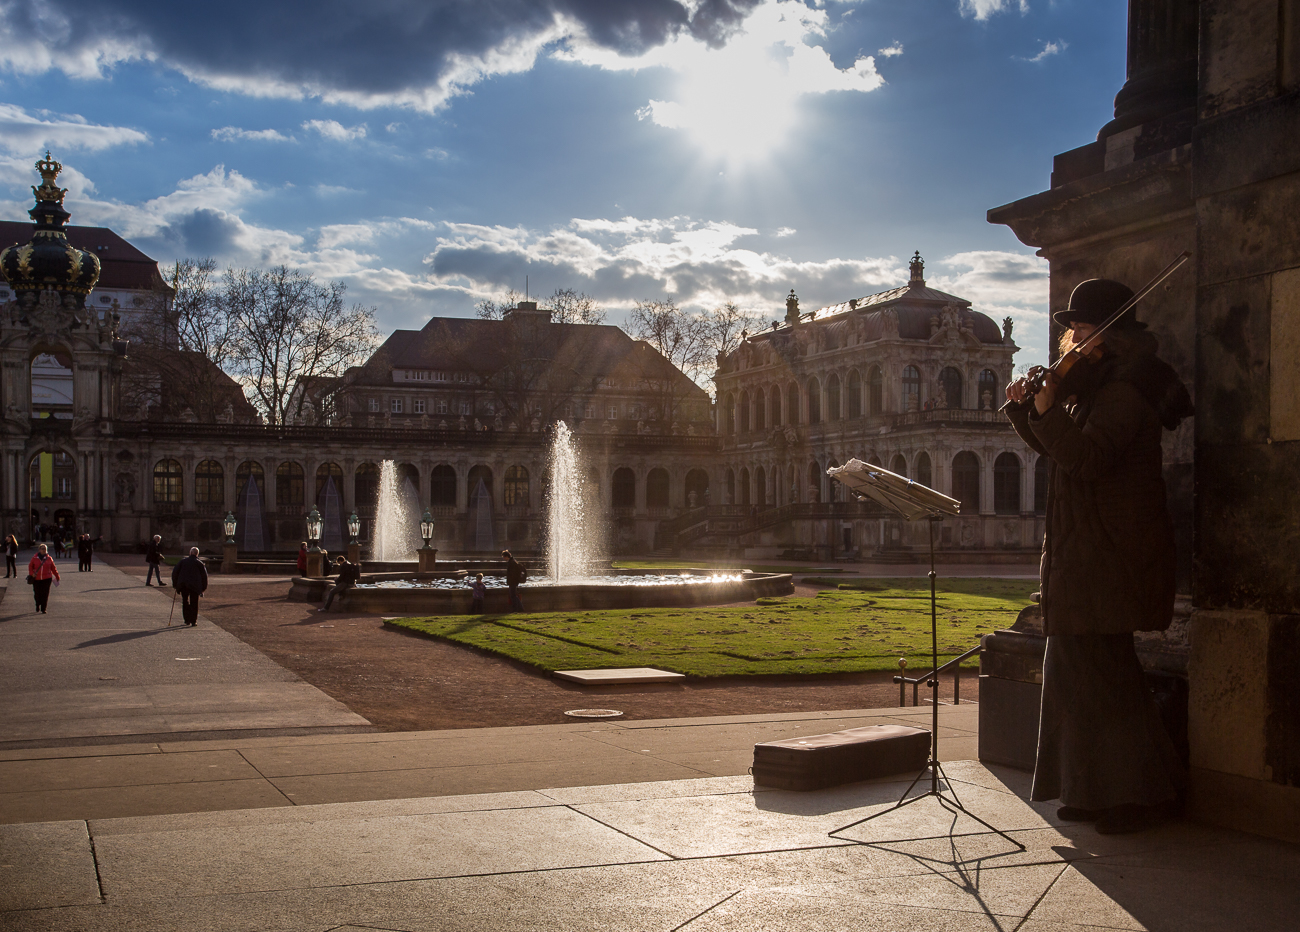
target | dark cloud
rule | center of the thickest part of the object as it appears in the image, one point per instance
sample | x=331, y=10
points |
x=405, y=49
x=202, y=232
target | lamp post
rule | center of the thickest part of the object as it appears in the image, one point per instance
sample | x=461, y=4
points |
x=354, y=546
x=229, y=550
x=315, y=559
x=428, y=555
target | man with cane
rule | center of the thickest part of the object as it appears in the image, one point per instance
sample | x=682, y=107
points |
x=190, y=579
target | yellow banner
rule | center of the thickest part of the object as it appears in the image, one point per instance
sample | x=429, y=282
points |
x=47, y=475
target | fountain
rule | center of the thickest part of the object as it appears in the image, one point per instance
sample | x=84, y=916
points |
x=578, y=575
x=574, y=539
x=397, y=522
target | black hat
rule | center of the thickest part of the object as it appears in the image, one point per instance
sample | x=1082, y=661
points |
x=1093, y=301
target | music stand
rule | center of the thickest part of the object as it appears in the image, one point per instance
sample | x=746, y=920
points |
x=912, y=501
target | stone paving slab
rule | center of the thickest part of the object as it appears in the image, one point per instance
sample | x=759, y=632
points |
x=669, y=857
x=619, y=676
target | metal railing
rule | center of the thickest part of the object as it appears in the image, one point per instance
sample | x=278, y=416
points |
x=916, y=681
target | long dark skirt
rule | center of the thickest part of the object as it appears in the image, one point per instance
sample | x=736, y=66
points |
x=1100, y=739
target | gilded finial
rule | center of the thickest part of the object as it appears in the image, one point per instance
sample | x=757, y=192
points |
x=49, y=191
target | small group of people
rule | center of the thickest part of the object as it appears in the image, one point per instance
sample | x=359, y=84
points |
x=516, y=575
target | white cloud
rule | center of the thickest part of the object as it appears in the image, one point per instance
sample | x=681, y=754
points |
x=233, y=133
x=983, y=9
x=333, y=129
x=891, y=51
x=786, y=231
x=27, y=133
x=738, y=99
x=1050, y=49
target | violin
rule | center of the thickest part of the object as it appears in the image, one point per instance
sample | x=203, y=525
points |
x=1037, y=376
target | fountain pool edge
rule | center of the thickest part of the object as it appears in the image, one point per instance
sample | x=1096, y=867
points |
x=545, y=598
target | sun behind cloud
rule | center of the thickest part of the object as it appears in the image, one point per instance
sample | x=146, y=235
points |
x=741, y=100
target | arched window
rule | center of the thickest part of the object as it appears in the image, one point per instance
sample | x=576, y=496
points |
x=731, y=487
x=966, y=482
x=988, y=390
x=442, y=486
x=729, y=414
x=814, y=482
x=516, y=486
x=922, y=472
x=1006, y=484
x=760, y=410
x=479, y=476
x=624, y=488
x=855, y=394
x=656, y=488
x=760, y=487
x=744, y=487
x=835, y=490
x=168, y=479
x=911, y=388
x=814, y=401
x=876, y=390
x=209, y=484
x=744, y=412
x=288, y=484
x=366, y=495
x=776, y=406
x=949, y=389
x=697, y=482
x=1041, y=473
x=898, y=464
x=833, y=398
x=326, y=472
x=792, y=405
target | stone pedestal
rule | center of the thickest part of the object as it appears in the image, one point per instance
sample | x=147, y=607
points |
x=428, y=558
x=229, y=556
x=315, y=563
x=354, y=553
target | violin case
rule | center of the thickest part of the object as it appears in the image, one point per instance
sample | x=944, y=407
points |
x=819, y=761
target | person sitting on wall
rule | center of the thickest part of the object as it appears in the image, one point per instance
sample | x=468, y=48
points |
x=349, y=573
x=515, y=575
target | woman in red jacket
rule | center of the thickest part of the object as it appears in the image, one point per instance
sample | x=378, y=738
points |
x=42, y=571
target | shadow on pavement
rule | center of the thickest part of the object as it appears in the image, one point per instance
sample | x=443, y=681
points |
x=126, y=636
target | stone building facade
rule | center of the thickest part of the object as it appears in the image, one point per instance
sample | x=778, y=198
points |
x=910, y=379
x=1202, y=156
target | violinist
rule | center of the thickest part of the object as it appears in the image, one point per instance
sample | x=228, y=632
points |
x=1108, y=562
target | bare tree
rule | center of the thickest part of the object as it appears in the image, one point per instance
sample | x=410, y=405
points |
x=725, y=324
x=681, y=338
x=493, y=309
x=292, y=330
x=575, y=307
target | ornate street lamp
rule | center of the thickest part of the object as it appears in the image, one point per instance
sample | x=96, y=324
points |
x=314, y=529
x=228, y=525
x=426, y=528
x=354, y=527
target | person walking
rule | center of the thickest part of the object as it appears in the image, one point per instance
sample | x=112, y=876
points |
x=42, y=573
x=477, y=593
x=515, y=574
x=349, y=573
x=190, y=579
x=11, y=556
x=1108, y=566
x=154, y=557
x=83, y=553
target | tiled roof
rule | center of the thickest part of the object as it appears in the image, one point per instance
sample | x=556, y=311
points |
x=122, y=265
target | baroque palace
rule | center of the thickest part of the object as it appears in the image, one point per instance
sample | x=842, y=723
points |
x=909, y=379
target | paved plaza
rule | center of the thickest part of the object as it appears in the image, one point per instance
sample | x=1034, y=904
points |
x=134, y=803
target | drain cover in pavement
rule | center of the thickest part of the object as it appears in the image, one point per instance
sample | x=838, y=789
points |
x=594, y=713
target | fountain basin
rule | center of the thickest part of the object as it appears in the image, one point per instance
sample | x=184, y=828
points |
x=427, y=600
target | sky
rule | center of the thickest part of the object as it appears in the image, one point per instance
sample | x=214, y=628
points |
x=433, y=153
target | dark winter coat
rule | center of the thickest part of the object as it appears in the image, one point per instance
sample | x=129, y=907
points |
x=515, y=573
x=1108, y=554
x=190, y=575
x=153, y=554
x=349, y=573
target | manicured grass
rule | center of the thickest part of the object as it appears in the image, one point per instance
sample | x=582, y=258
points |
x=842, y=630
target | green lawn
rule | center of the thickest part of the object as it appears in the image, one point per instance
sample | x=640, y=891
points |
x=849, y=629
